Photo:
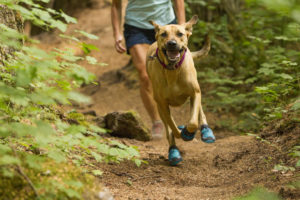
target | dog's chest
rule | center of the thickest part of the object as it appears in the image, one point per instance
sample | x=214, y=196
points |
x=174, y=95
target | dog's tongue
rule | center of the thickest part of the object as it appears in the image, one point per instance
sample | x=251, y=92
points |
x=173, y=55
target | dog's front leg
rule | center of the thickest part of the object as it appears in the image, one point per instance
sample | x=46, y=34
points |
x=206, y=133
x=174, y=156
x=202, y=116
x=195, y=106
x=165, y=114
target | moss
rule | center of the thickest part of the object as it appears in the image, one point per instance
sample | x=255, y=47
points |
x=77, y=118
x=54, y=181
x=133, y=113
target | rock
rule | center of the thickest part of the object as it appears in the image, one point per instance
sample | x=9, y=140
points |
x=127, y=124
x=90, y=112
x=100, y=121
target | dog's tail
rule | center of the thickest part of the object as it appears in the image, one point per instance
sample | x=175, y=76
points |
x=204, y=51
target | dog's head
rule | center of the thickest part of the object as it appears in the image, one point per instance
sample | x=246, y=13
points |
x=172, y=39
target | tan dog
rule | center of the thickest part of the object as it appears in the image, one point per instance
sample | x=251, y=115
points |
x=170, y=67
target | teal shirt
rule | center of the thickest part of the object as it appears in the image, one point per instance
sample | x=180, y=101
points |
x=140, y=12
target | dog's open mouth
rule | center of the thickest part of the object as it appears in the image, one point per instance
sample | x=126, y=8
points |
x=173, y=55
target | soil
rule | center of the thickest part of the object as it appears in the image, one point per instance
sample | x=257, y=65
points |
x=230, y=167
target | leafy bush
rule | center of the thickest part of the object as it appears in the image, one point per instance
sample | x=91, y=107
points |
x=253, y=69
x=33, y=133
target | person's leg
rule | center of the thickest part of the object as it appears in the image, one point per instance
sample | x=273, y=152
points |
x=138, y=53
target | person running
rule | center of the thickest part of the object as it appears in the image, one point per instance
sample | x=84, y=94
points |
x=139, y=34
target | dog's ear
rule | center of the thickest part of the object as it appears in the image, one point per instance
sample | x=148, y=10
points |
x=189, y=25
x=156, y=26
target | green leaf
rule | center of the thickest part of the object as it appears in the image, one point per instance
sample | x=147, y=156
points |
x=6, y=172
x=75, y=184
x=75, y=129
x=296, y=105
x=97, y=129
x=129, y=182
x=9, y=160
x=137, y=162
x=69, y=37
x=58, y=24
x=68, y=18
x=133, y=151
x=97, y=157
x=33, y=161
x=57, y=156
x=97, y=172
x=4, y=149
x=283, y=168
x=285, y=76
x=120, y=153
x=298, y=163
x=87, y=48
x=72, y=193
x=43, y=15
x=91, y=60
x=88, y=35
x=103, y=148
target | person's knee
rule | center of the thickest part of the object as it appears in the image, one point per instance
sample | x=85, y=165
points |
x=144, y=80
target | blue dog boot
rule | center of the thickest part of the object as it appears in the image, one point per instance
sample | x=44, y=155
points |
x=174, y=156
x=207, y=134
x=185, y=134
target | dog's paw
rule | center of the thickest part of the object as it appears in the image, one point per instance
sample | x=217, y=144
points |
x=207, y=134
x=174, y=156
x=185, y=134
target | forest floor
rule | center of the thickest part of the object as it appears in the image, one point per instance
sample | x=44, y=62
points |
x=230, y=167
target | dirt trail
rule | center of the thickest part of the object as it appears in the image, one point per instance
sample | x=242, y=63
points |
x=230, y=167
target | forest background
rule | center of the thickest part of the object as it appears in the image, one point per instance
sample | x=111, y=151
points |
x=251, y=78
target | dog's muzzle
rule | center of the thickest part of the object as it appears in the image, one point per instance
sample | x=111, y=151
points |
x=172, y=50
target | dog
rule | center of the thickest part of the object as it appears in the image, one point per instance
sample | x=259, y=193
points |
x=171, y=70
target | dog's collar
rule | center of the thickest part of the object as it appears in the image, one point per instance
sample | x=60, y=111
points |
x=165, y=66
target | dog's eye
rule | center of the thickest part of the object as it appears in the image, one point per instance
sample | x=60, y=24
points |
x=164, y=34
x=179, y=34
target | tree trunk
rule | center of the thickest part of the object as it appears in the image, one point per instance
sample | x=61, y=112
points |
x=12, y=20
x=229, y=7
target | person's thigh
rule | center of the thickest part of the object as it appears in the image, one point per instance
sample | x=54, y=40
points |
x=136, y=36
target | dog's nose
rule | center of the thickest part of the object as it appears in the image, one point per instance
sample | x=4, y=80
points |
x=171, y=43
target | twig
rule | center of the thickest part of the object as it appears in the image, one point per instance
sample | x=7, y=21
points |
x=21, y=172
x=28, y=180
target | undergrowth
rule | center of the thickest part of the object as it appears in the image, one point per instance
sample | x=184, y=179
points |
x=251, y=77
x=42, y=155
x=253, y=70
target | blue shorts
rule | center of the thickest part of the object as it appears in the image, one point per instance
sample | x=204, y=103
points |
x=134, y=35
